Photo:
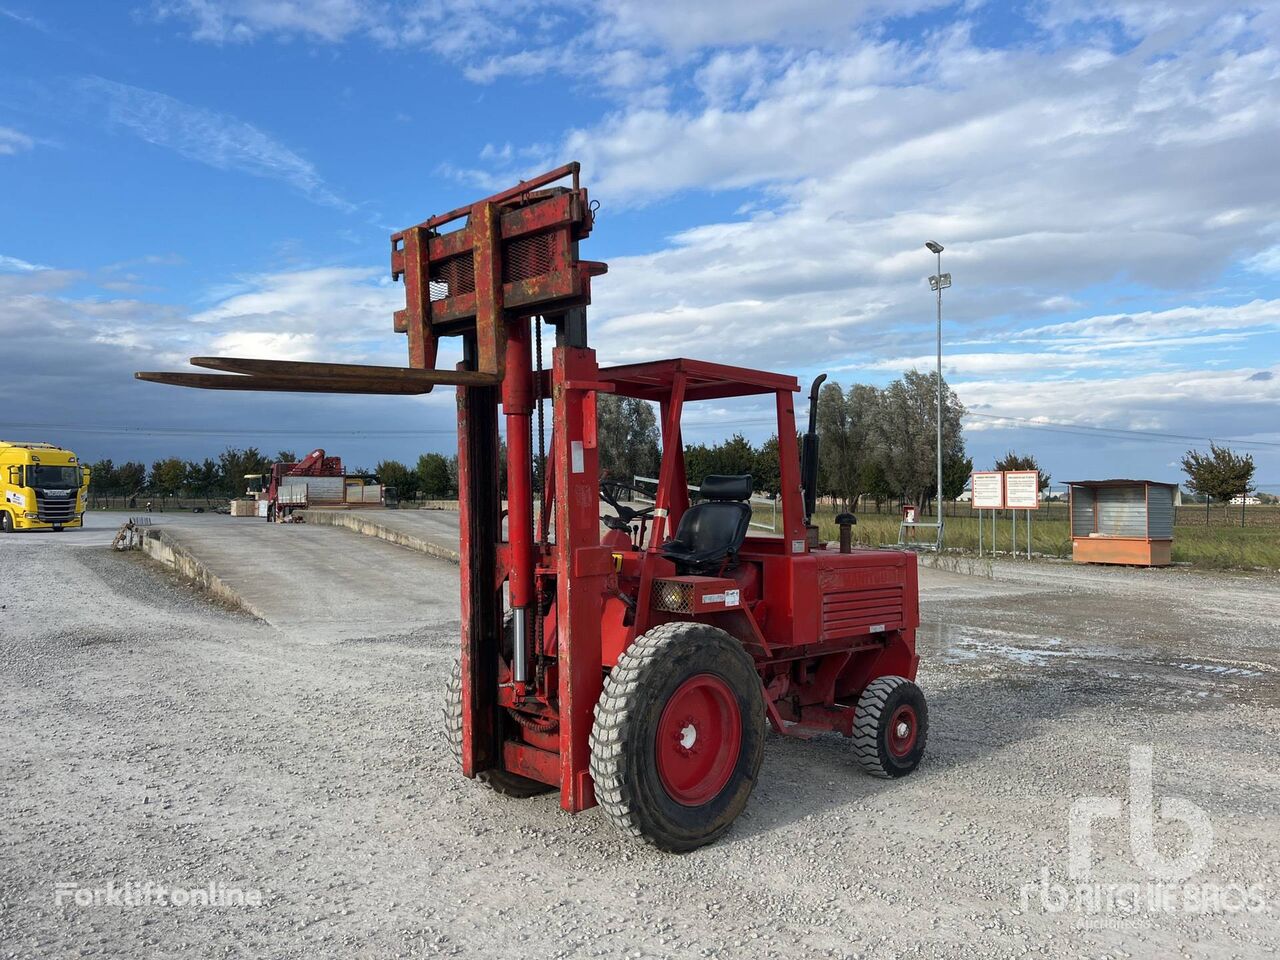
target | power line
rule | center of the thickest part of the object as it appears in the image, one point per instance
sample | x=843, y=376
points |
x=1051, y=426
x=232, y=432
x=1120, y=433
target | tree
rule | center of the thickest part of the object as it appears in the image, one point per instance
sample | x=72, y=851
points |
x=168, y=476
x=234, y=465
x=103, y=480
x=627, y=433
x=202, y=478
x=766, y=468
x=1014, y=461
x=955, y=474
x=286, y=456
x=131, y=477
x=1220, y=474
x=393, y=473
x=845, y=423
x=905, y=434
x=876, y=483
x=734, y=457
x=434, y=481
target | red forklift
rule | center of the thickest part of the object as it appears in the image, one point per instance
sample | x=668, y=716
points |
x=634, y=668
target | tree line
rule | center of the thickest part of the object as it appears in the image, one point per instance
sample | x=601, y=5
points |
x=210, y=479
x=879, y=442
x=435, y=476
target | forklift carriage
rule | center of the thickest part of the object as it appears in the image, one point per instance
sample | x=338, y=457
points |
x=635, y=669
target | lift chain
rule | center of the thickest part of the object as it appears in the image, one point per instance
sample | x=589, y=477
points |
x=539, y=657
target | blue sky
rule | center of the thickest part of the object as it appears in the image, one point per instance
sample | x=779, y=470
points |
x=221, y=176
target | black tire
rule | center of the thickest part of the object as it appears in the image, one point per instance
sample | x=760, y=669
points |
x=625, y=736
x=500, y=781
x=6, y=522
x=891, y=727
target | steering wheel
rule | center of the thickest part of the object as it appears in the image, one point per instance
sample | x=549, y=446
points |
x=610, y=491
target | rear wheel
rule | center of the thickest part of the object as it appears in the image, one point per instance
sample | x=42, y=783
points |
x=890, y=727
x=678, y=736
x=499, y=780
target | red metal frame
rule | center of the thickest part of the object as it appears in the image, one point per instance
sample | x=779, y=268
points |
x=820, y=625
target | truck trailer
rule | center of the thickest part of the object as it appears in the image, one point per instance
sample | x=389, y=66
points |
x=43, y=487
x=316, y=480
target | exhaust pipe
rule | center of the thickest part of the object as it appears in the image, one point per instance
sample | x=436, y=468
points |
x=809, y=463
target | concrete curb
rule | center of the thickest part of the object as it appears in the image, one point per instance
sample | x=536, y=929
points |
x=161, y=546
x=371, y=528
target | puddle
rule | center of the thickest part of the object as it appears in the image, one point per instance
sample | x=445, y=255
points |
x=1201, y=679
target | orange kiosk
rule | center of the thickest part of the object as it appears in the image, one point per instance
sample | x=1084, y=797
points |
x=1122, y=521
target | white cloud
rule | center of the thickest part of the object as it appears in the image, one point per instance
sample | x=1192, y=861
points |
x=14, y=141
x=678, y=25
x=233, y=21
x=211, y=138
x=1045, y=179
x=321, y=313
x=1203, y=403
x=332, y=314
x=1154, y=327
x=15, y=265
x=525, y=63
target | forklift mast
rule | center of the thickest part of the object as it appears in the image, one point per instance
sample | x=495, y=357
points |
x=498, y=274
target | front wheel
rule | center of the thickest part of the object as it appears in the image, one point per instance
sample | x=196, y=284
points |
x=500, y=781
x=6, y=521
x=890, y=727
x=678, y=736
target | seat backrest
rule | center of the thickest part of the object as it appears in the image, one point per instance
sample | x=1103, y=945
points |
x=711, y=530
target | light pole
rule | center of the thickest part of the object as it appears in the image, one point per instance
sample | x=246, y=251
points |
x=939, y=282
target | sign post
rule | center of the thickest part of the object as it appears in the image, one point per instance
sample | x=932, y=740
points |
x=987, y=490
x=1022, y=492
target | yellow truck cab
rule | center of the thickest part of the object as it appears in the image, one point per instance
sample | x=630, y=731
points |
x=42, y=487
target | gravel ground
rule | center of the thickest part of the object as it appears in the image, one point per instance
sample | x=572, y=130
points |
x=152, y=735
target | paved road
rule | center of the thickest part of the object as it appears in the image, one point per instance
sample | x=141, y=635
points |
x=321, y=583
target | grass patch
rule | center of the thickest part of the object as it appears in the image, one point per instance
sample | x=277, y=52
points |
x=1208, y=547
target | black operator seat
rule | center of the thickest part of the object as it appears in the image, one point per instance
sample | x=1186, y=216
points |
x=713, y=529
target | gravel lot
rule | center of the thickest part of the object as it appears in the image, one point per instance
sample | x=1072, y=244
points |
x=152, y=735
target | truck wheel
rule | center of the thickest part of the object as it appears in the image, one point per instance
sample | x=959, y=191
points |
x=500, y=781
x=890, y=727
x=678, y=736
x=6, y=522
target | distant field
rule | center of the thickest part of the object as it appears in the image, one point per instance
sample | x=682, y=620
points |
x=1212, y=547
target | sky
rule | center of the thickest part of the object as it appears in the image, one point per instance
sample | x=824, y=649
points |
x=188, y=177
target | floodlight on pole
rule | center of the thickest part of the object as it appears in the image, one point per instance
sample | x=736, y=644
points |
x=937, y=283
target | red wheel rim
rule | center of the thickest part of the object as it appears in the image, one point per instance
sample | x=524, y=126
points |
x=699, y=736
x=903, y=727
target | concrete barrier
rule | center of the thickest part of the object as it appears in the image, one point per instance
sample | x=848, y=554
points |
x=372, y=526
x=162, y=547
